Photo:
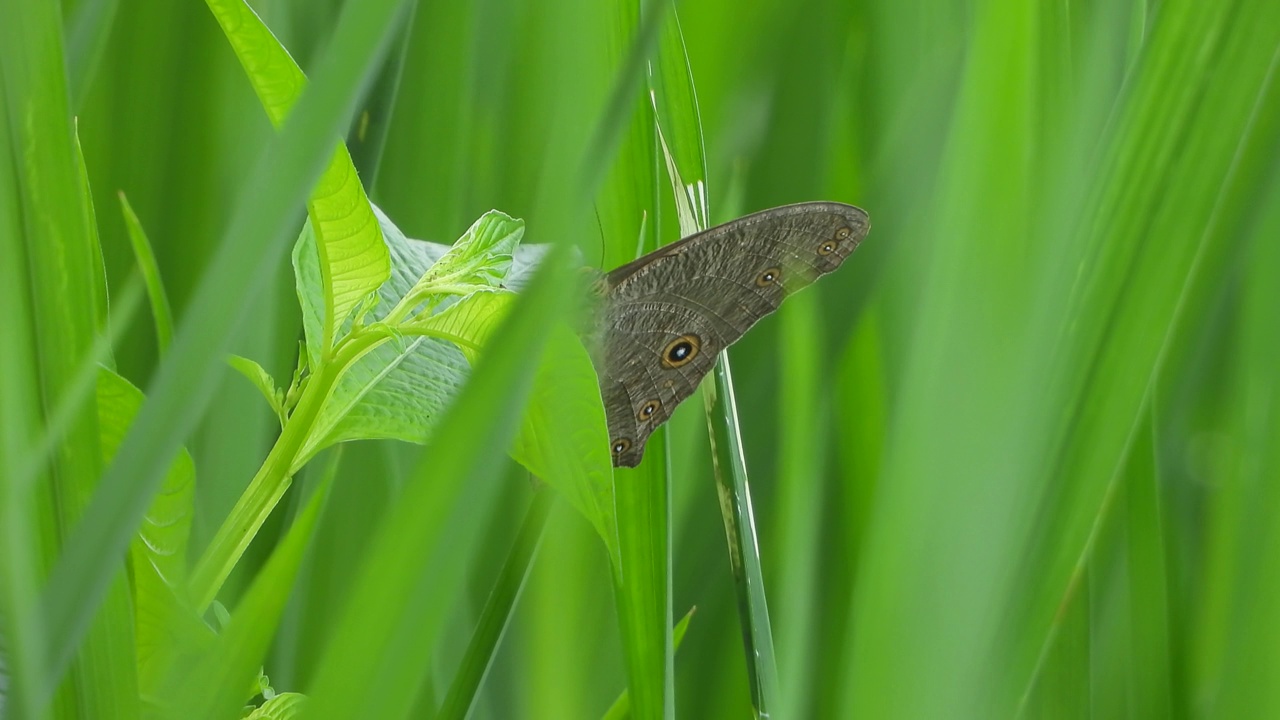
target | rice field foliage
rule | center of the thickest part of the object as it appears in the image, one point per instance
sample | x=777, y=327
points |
x=266, y=454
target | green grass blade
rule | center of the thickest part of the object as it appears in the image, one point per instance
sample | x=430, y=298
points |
x=90, y=29
x=1150, y=679
x=256, y=238
x=675, y=101
x=369, y=137
x=146, y=259
x=642, y=580
x=1241, y=684
x=739, y=527
x=496, y=615
x=621, y=708
x=64, y=281
x=80, y=391
x=91, y=222
x=800, y=495
x=21, y=623
x=629, y=204
x=1197, y=175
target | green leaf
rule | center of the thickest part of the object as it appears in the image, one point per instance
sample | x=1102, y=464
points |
x=563, y=438
x=479, y=260
x=158, y=555
x=146, y=260
x=262, y=380
x=394, y=392
x=398, y=391
x=353, y=259
x=285, y=706
x=418, y=560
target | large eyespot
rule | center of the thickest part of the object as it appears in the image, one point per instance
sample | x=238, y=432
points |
x=827, y=247
x=768, y=276
x=620, y=446
x=647, y=410
x=681, y=351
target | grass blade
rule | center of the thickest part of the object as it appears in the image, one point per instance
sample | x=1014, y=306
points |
x=65, y=283
x=22, y=634
x=496, y=615
x=160, y=312
x=256, y=238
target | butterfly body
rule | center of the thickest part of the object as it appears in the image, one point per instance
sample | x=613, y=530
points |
x=661, y=320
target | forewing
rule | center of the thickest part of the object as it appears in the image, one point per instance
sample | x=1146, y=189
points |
x=666, y=316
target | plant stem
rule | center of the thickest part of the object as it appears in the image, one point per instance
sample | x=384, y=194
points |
x=273, y=478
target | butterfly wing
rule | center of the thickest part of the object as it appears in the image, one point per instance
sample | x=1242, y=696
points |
x=666, y=316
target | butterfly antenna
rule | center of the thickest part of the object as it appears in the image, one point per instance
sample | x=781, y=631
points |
x=600, y=227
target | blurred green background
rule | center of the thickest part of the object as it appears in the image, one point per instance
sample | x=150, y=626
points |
x=1020, y=457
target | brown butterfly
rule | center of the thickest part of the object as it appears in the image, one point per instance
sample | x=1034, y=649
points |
x=661, y=320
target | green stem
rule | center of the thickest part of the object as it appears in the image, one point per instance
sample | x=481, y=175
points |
x=274, y=477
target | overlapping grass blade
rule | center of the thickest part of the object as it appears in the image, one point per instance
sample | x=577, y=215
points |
x=65, y=286
x=496, y=615
x=628, y=206
x=1242, y=626
x=255, y=239
x=21, y=622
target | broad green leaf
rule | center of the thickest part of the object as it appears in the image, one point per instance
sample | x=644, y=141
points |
x=563, y=439
x=262, y=380
x=146, y=260
x=353, y=259
x=399, y=389
x=158, y=555
x=285, y=706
